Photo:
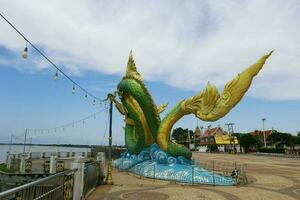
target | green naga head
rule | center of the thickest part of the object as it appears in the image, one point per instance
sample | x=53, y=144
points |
x=143, y=125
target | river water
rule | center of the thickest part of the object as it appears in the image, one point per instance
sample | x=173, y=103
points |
x=4, y=148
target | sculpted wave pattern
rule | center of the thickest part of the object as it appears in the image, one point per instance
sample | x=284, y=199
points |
x=154, y=163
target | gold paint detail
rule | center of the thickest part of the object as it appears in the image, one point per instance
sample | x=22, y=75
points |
x=129, y=121
x=164, y=131
x=119, y=106
x=68, y=187
x=209, y=105
x=109, y=179
x=162, y=107
x=134, y=104
x=131, y=71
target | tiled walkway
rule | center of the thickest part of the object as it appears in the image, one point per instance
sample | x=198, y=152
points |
x=270, y=179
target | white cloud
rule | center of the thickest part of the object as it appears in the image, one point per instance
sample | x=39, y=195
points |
x=181, y=43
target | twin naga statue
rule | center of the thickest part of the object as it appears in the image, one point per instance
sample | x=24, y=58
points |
x=147, y=136
x=142, y=117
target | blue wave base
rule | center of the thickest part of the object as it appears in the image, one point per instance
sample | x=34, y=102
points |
x=154, y=163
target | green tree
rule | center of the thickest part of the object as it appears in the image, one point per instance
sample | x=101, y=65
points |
x=294, y=140
x=247, y=141
x=212, y=148
x=279, y=139
x=259, y=141
x=180, y=135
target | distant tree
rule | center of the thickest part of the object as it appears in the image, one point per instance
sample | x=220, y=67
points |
x=294, y=140
x=237, y=135
x=259, y=141
x=247, y=141
x=180, y=135
x=279, y=139
x=298, y=134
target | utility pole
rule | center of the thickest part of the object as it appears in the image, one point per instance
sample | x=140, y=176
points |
x=208, y=127
x=232, y=132
x=230, y=129
x=109, y=180
x=263, y=126
x=194, y=138
x=25, y=137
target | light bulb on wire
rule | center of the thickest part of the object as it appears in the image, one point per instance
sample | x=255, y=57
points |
x=85, y=97
x=73, y=89
x=56, y=77
x=25, y=53
x=94, y=102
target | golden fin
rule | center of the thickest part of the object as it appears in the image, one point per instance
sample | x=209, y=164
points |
x=162, y=108
x=209, y=105
x=131, y=71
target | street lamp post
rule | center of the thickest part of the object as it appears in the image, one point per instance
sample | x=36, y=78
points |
x=263, y=126
x=109, y=180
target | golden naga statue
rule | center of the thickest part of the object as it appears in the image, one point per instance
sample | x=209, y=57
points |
x=143, y=125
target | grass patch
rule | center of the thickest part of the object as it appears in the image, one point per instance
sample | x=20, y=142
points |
x=3, y=168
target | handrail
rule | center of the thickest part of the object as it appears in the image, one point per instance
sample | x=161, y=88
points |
x=22, y=187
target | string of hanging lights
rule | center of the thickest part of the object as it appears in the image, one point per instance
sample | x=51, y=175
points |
x=63, y=127
x=59, y=71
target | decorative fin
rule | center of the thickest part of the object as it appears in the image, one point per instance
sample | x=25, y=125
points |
x=208, y=105
x=162, y=108
x=131, y=71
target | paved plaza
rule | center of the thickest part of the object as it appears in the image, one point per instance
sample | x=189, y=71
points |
x=270, y=178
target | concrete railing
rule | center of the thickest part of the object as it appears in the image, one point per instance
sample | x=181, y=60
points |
x=47, y=162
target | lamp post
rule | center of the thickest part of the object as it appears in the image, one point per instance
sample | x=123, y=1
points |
x=109, y=180
x=263, y=129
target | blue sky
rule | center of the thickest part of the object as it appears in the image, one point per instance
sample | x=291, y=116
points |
x=178, y=47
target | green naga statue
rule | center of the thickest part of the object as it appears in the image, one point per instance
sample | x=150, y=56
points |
x=142, y=117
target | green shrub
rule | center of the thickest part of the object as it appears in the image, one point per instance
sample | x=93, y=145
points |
x=271, y=150
x=212, y=148
x=3, y=168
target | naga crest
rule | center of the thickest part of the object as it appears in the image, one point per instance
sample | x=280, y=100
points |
x=143, y=125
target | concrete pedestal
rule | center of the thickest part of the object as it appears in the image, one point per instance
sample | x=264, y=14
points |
x=78, y=179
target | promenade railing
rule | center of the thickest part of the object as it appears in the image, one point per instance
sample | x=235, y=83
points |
x=92, y=177
x=58, y=186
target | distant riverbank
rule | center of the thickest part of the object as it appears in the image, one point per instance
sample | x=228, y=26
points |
x=18, y=148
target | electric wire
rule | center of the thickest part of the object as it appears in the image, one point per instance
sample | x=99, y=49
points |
x=73, y=123
x=50, y=61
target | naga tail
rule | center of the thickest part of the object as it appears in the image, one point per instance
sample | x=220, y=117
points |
x=207, y=105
